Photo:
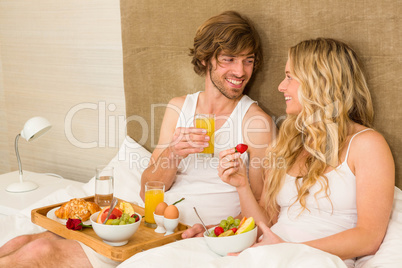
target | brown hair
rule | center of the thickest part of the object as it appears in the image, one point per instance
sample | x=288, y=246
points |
x=229, y=32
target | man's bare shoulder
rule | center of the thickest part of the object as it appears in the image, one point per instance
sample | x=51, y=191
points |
x=256, y=117
x=178, y=101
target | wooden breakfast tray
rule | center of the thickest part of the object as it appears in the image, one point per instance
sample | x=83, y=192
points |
x=143, y=239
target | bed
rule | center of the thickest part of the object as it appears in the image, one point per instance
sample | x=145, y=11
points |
x=129, y=163
x=156, y=37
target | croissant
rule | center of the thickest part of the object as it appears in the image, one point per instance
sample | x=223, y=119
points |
x=77, y=208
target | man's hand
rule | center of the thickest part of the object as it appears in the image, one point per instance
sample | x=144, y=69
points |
x=197, y=230
x=188, y=140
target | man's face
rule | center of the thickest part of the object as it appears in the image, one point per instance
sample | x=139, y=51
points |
x=230, y=74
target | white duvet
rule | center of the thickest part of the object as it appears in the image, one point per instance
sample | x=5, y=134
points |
x=129, y=163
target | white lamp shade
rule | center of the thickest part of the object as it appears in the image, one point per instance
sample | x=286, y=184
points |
x=35, y=127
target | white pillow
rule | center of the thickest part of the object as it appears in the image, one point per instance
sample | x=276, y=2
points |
x=389, y=253
x=129, y=163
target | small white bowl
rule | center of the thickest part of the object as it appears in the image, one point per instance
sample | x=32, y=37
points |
x=114, y=235
x=231, y=244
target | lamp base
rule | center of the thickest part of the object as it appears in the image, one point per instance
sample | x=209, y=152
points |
x=20, y=187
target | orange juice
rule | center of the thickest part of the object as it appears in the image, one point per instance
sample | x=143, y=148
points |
x=152, y=198
x=207, y=121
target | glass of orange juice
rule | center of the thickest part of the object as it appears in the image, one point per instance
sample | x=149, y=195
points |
x=206, y=121
x=154, y=194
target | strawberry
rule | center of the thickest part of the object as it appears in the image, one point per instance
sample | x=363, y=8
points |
x=218, y=230
x=234, y=229
x=241, y=148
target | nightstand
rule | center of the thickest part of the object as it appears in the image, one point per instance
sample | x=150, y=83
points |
x=11, y=203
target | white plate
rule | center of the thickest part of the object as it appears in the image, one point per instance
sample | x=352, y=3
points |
x=53, y=216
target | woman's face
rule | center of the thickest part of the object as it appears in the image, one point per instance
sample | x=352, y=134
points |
x=289, y=87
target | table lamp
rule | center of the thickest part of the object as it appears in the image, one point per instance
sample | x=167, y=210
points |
x=33, y=129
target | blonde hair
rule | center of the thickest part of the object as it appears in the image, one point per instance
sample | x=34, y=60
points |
x=333, y=93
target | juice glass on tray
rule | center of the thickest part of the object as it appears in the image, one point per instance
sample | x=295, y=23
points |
x=154, y=194
x=206, y=121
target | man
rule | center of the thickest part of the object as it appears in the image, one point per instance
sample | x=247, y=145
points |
x=227, y=51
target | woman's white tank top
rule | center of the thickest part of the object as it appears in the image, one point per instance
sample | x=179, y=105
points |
x=326, y=217
x=197, y=179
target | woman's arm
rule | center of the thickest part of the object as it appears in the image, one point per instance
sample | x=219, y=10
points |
x=259, y=131
x=233, y=171
x=371, y=161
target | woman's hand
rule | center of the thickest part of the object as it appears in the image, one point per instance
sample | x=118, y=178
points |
x=188, y=140
x=231, y=168
x=268, y=238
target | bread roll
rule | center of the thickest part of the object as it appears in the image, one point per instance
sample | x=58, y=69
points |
x=77, y=208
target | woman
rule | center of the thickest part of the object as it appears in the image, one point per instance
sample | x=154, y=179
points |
x=330, y=177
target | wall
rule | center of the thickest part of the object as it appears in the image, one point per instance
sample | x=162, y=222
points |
x=61, y=60
x=157, y=36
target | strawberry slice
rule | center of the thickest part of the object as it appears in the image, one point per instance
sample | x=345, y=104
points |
x=218, y=230
x=241, y=148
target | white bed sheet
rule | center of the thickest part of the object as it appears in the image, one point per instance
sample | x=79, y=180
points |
x=130, y=162
x=194, y=252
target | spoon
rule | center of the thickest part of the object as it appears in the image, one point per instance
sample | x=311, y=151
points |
x=201, y=220
x=112, y=206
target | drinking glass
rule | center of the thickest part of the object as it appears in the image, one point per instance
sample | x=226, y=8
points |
x=104, y=185
x=154, y=194
x=206, y=121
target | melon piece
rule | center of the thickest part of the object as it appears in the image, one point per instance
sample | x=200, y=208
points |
x=247, y=225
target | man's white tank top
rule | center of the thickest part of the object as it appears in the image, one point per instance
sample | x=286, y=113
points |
x=197, y=179
x=326, y=217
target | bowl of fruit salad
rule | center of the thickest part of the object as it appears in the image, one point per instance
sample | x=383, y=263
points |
x=232, y=235
x=121, y=225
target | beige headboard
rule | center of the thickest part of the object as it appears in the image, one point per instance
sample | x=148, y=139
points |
x=157, y=36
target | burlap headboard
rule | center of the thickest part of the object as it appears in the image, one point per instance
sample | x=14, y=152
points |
x=157, y=36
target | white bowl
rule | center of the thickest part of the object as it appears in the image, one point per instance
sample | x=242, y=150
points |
x=114, y=235
x=233, y=243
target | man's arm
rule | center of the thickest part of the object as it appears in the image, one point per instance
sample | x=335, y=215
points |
x=259, y=131
x=173, y=145
x=160, y=155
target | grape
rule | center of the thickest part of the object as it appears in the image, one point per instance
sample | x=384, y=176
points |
x=223, y=224
x=230, y=220
x=122, y=223
x=131, y=220
x=236, y=222
x=124, y=216
x=115, y=222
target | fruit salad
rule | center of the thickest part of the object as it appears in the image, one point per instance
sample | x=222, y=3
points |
x=232, y=226
x=123, y=214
